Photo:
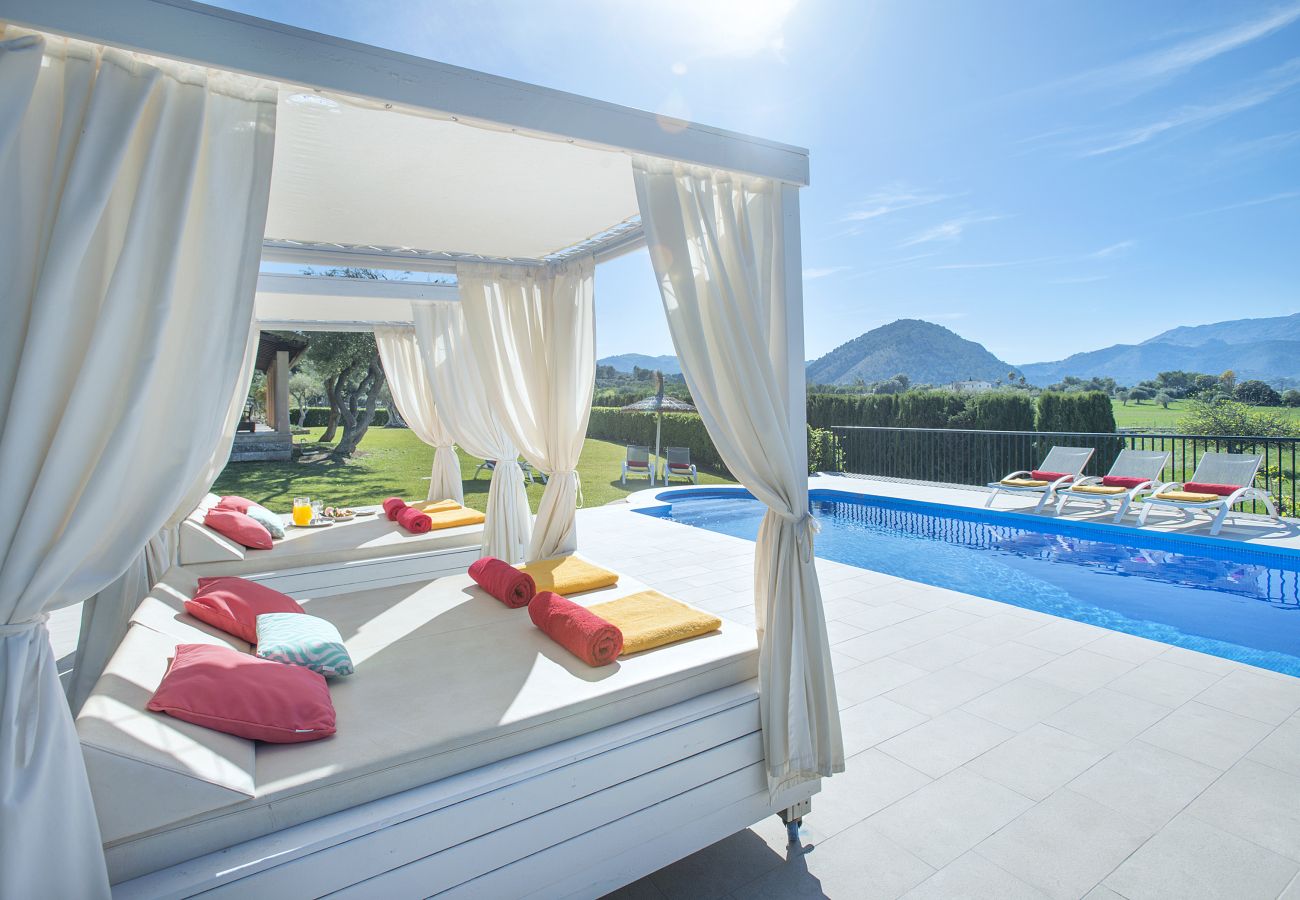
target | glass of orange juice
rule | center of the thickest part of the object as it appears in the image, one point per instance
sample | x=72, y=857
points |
x=301, y=510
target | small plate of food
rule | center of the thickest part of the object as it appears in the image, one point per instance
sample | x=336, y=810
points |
x=339, y=513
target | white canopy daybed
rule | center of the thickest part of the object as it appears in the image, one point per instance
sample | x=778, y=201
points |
x=153, y=152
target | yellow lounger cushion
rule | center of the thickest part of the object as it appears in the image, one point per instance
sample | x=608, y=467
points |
x=1188, y=497
x=1024, y=482
x=649, y=619
x=440, y=506
x=1098, y=489
x=567, y=575
x=456, y=517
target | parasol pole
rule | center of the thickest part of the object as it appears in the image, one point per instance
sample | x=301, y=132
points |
x=659, y=418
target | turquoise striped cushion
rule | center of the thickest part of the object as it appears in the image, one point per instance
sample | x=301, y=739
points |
x=302, y=640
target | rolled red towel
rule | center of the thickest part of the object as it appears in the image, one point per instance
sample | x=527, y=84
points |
x=414, y=521
x=392, y=506
x=503, y=581
x=576, y=629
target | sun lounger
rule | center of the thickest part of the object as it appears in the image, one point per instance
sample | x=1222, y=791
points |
x=678, y=463
x=638, y=463
x=491, y=466
x=1134, y=472
x=1062, y=467
x=1220, y=482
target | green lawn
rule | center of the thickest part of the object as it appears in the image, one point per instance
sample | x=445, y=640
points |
x=1151, y=415
x=394, y=462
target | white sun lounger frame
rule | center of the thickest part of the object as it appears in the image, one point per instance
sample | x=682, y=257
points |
x=1213, y=468
x=1146, y=464
x=1068, y=460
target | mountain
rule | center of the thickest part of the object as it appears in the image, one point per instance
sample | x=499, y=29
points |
x=1237, y=331
x=625, y=362
x=1267, y=349
x=925, y=352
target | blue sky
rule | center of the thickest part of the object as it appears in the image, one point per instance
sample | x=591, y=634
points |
x=1042, y=177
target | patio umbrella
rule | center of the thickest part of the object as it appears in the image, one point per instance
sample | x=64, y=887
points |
x=657, y=404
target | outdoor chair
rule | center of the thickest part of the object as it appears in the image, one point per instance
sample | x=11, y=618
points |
x=1220, y=482
x=1134, y=472
x=678, y=463
x=1062, y=467
x=638, y=463
x=491, y=466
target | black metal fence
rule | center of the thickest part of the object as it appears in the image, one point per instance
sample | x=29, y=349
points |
x=961, y=456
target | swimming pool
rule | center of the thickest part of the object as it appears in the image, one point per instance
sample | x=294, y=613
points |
x=1214, y=596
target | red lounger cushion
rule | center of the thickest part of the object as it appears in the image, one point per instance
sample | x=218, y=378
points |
x=1202, y=487
x=239, y=528
x=1048, y=476
x=1123, y=481
x=258, y=699
x=680, y=467
x=233, y=605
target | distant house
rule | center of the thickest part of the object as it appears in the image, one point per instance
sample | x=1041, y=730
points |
x=971, y=387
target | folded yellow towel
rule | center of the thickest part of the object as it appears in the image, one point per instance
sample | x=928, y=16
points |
x=440, y=506
x=1097, y=489
x=1024, y=482
x=649, y=619
x=1188, y=497
x=455, y=517
x=568, y=575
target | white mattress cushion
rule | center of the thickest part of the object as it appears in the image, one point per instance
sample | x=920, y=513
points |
x=147, y=769
x=368, y=537
x=447, y=680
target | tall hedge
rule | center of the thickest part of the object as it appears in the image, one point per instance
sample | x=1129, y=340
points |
x=993, y=410
x=679, y=430
x=1090, y=411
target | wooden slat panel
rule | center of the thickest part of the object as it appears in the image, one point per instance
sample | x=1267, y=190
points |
x=461, y=823
x=475, y=869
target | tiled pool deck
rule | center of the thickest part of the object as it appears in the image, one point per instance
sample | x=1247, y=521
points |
x=999, y=752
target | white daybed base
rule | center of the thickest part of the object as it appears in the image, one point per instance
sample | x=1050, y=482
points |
x=578, y=818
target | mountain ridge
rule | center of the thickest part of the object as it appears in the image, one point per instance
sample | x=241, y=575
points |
x=927, y=353
x=625, y=362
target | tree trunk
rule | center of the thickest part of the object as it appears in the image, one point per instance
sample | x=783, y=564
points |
x=332, y=385
x=356, y=418
x=395, y=419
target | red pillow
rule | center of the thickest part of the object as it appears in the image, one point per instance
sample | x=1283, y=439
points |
x=235, y=502
x=258, y=699
x=1123, y=481
x=1204, y=487
x=233, y=604
x=1047, y=476
x=239, y=528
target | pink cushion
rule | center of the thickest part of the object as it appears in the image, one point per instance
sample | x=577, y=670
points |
x=258, y=699
x=235, y=502
x=239, y=528
x=638, y=465
x=1203, y=487
x=680, y=467
x=1048, y=476
x=1123, y=481
x=233, y=604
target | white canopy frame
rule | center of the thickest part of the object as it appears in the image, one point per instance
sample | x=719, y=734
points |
x=370, y=82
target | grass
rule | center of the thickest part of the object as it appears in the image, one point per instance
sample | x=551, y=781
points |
x=394, y=462
x=1151, y=415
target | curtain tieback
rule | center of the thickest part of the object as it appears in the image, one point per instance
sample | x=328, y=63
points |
x=806, y=528
x=16, y=628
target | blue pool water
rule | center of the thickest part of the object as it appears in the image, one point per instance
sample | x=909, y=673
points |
x=1214, y=596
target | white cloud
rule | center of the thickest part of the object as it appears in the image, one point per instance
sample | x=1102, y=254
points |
x=1178, y=58
x=891, y=200
x=1275, y=82
x=810, y=274
x=951, y=230
x=1245, y=204
x=1111, y=250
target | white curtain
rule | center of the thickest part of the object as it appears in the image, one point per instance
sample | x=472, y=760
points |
x=717, y=242
x=413, y=393
x=106, y=616
x=464, y=406
x=533, y=331
x=135, y=199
